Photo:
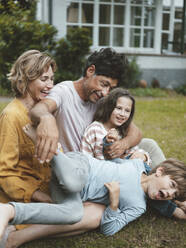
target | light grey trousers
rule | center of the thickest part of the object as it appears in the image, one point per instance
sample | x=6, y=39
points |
x=70, y=173
x=156, y=154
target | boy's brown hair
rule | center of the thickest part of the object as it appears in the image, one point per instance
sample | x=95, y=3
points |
x=177, y=171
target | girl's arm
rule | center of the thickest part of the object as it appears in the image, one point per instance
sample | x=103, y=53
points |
x=92, y=142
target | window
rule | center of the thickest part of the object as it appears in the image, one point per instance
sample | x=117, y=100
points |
x=105, y=19
x=171, y=28
x=177, y=30
x=142, y=24
x=129, y=25
x=80, y=13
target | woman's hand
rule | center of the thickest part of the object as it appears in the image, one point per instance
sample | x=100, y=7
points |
x=114, y=191
x=39, y=196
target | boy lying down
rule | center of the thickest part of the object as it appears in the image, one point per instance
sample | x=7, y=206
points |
x=123, y=188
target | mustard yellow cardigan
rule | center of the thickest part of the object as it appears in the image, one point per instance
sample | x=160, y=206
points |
x=20, y=173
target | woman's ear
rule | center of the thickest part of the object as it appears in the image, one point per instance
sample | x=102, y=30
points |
x=90, y=71
x=159, y=171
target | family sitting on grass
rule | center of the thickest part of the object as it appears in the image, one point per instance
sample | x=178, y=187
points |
x=79, y=136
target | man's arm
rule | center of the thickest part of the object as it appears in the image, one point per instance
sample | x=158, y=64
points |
x=47, y=132
x=119, y=147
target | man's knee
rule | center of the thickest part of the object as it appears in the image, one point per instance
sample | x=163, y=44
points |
x=155, y=152
x=148, y=144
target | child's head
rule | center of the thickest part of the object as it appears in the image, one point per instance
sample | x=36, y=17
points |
x=117, y=108
x=169, y=181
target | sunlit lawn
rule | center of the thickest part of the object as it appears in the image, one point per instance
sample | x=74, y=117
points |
x=163, y=119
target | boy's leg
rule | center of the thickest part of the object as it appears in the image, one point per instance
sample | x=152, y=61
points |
x=90, y=221
x=156, y=154
x=70, y=207
x=71, y=170
x=68, y=212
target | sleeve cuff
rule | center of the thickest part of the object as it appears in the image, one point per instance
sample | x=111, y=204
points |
x=112, y=212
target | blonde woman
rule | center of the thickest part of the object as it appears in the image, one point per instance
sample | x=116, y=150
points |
x=22, y=177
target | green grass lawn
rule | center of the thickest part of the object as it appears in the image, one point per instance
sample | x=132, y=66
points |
x=163, y=119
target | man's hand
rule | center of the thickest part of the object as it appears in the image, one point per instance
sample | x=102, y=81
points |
x=46, y=138
x=181, y=205
x=39, y=196
x=119, y=147
x=179, y=213
x=140, y=155
x=115, y=150
x=114, y=190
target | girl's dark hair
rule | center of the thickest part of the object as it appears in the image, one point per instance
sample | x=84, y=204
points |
x=107, y=63
x=107, y=104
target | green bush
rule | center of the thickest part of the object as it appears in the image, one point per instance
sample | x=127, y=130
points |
x=70, y=54
x=132, y=74
x=20, y=32
x=181, y=89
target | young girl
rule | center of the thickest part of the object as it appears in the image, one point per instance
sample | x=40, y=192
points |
x=111, y=121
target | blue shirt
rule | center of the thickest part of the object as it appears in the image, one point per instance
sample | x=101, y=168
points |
x=132, y=201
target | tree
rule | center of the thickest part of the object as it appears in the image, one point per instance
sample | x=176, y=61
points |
x=19, y=31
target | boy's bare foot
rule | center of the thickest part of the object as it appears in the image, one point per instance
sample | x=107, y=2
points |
x=6, y=214
x=30, y=131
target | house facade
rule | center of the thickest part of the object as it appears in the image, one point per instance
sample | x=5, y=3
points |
x=150, y=30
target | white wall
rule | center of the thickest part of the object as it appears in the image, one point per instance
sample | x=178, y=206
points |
x=161, y=62
x=59, y=16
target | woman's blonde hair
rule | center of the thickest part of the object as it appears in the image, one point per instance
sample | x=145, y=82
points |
x=177, y=171
x=28, y=67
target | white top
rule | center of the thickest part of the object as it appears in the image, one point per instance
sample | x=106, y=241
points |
x=73, y=115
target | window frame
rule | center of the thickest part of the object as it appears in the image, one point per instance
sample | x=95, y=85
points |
x=125, y=27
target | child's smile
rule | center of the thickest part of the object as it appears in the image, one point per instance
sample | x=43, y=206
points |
x=121, y=112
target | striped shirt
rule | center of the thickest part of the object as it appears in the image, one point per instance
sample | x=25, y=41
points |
x=92, y=142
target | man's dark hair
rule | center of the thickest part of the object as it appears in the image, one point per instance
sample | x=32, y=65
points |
x=107, y=63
